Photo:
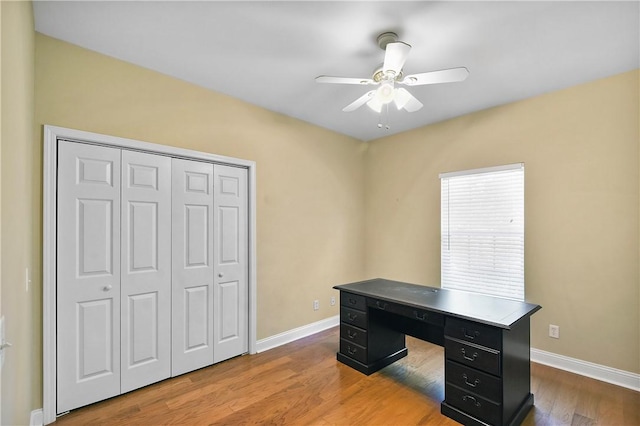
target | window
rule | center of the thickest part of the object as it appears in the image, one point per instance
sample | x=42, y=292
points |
x=482, y=229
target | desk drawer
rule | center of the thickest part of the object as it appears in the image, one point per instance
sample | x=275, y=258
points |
x=353, y=317
x=475, y=356
x=407, y=311
x=353, y=301
x=471, y=403
x=353, y=334
x=469, y=331
x=472, y=380
x=353, y=350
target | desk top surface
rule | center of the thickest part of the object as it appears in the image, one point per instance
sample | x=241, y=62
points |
x=494, y=311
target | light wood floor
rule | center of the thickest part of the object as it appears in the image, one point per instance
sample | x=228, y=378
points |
x=302, y=384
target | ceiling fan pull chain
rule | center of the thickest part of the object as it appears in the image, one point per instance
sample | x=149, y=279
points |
x=384, y=117
x=386, y=111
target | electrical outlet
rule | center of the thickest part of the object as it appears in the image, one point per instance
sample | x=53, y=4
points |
x=554, y=331
x=333, y=301
x=316, y=305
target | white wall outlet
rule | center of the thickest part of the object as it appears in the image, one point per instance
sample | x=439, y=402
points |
x=316, y=305
x=333, y=301
x=554, y=331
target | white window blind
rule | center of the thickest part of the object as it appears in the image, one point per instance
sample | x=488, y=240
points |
x=482, y=227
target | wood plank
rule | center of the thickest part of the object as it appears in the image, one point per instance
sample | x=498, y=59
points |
x=301, y=383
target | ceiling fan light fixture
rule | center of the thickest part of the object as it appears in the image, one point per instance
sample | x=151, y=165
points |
x=385, y=93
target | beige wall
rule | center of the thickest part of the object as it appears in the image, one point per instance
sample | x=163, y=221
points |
x=20, y=247
x=580, y=149
x=309, y=180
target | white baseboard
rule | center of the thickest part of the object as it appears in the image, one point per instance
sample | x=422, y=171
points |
x=36, y=418
x=296, y=333
x=584, y=368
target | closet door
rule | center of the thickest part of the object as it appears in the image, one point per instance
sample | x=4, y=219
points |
x=230, y=292
x=88, y=274
x=146, y=269
x=192, y=265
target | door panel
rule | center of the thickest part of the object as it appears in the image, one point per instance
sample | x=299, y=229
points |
x=192, y=265
x=88, y=275
x=231, y=334
x=229, y=299
x=144, y=325
x=146, y=269
x=95, y=230
x=196, y=234
x=94, y=322
x=143, y=244
x=197, y=313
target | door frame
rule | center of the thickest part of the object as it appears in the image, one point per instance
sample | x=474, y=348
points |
x=49, y=201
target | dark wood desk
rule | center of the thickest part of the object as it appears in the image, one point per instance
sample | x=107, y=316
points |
x=486, y=341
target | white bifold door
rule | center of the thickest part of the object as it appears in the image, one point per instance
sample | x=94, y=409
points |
x=210, y=283
x=88, y=275
x=192, y=265
x=152, y=269
x=145, y=308
x=230, y=281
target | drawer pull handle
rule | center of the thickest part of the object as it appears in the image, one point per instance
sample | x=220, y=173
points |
x=353, y=301
x=475, y=334
x=352, y=317
x=475, y=383
x=469, y=358
x=472, y=399
x=421, y=317
x=381, y=305
x=351, y=335
x=352, y=351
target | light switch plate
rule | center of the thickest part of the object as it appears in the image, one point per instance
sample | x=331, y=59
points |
x=1, y=341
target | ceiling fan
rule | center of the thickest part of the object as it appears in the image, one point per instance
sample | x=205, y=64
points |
x=390, y=74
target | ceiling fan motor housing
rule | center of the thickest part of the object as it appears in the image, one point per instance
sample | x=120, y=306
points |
x=379, y=75
x=383, y=40
x=386, y=38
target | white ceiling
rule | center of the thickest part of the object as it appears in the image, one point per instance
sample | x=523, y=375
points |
x=268, y=53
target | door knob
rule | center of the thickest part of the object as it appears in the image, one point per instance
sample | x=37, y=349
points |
x=220, y=274
x=107, y=287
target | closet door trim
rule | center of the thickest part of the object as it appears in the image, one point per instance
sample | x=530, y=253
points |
x=51, y=135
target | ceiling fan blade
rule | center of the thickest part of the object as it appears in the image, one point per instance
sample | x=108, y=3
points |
x=395, y=56
x=404, y=99
x=344, y=80
x=359, y=102
x=434, y=77
x=375, y=104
